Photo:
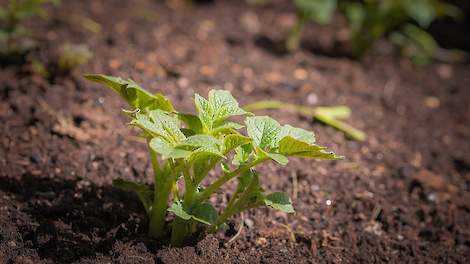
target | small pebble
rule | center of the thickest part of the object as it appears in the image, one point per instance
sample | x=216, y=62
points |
x=228, y=86
x=183, y=82
x=315, y=188
x=115, y=64
x=207, y=70
x=11, y=243
x=140, y=65
x=250, y=22
x=261, y=241
x=249, y=223
x=312, y=99
x=300, y=74
x=432, y=102
x=445, y=71
x=432, y=197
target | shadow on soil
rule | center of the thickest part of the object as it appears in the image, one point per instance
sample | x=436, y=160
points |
x=278, y=48
x=75, y=219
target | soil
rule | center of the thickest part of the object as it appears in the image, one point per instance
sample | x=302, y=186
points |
x=402, y=196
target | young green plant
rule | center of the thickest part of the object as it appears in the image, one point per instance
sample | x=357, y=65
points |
x=14, y=37
x=187, y=147
x=72, y=56
x=404, y=22
x=318, y=11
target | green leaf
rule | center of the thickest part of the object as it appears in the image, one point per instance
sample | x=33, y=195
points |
x=422, y=38
x=167, y=150
x=225, y=168
x=187, y=132
x=264, y=131
x=276, y=142
x=204, y=153
x=201, y=140
x=279, y=201
x=279, y=158
x=320, y=11
x=192, y=122
x=177, y=209
x=242, y=154
x=219, y=106
x=250, y=189
x=421, y=11
x=203, y=212
x=161, y=124
x=233, y=141
x=292, y=147
x=144, y=193
x=228, y=127
x=201, y=167
x=202, y=147
x=297, y=133
x=135, y=95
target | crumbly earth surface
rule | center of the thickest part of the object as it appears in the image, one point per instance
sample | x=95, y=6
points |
x=401, y=196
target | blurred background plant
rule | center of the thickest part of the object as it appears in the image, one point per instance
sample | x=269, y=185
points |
x=73, y=55
x=15, y=38
x=318, y=11
x=402, y=22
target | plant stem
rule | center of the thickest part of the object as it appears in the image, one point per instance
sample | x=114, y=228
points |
x=293, y=40
x=190, y=187
x=157, y=217
x=162, y=189
x=228, y=211
x=182, y=229
x=225, y=178
x=237, y=204
x=179, y=232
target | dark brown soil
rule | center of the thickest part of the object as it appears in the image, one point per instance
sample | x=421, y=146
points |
x=402, y=196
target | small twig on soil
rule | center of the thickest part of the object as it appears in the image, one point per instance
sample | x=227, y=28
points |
x=291, y=233
x=295, y=186
x=240, y=229
x=376, y=212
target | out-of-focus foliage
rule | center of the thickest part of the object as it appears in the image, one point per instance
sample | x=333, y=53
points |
x=73, y=55
x=14, y=37
x=402, y=21
x=318, y=11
